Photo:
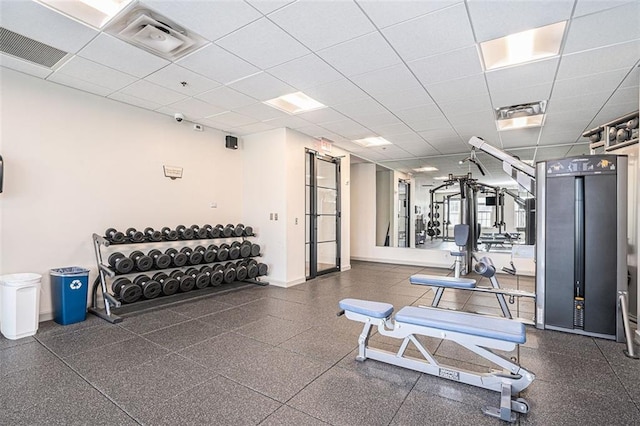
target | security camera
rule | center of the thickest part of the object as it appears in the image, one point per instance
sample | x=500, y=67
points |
x=179, y=117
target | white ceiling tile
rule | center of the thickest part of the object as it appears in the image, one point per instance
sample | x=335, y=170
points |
x=569, y=118
x=420, y=150
x=450, y=147
x=320, y=24
x=404, y=99
x=390, y=129
x=600, y=60
x=495, y=18
x=263, y=44
x=407, y=139
x=378, y=119
x=601, y=82
x=217, y=64
x=348, y=129
x=585, y=7
x=578, y=149
x=77, y=83
x=336, y=92
x=262, y=86
x=448, y=66
x=192, y=108
x=268, y=6
x=173, y=75
x=520, y=137
x=471, y=119
x=633, y=78
x=226, y=98
x=532, y=74
x=304, y=72
x=521, y=95
x=117, y=54
x=99, y=75
x=23, y=66
x=142, y=103
x=313, y=130
x=591, y=101
x=385, y=13
x=555, y=127
x=152, y=92
x=360, y=108
x=471, y=104
x=624, y=96
x=612, y=112
x=459, y=89
x=229, y=119
x=323, y=115
x=210, y=19
x=290, y=121
x=250, y=129
x=549, y=138
x=40, y=23
x=553, y=152
x=392, y=79
x=260, y=111
x=438, y=32
x=423, y=117
x=588, y=32
x=363, y=54
x=445, y=132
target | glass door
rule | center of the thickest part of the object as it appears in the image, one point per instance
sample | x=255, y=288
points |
x=322, y=216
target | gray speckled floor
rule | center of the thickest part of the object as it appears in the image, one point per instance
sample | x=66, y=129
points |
x=273, y=356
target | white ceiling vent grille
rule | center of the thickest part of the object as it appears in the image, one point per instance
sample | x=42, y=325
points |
x=29, y=50
x=155, y=34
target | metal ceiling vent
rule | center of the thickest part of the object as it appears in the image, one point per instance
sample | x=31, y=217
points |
x=156, y=34
x=29, y=49
x=519, y=111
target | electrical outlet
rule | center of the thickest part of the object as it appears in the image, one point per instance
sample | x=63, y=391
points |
x=275, y=215
x=270, y=216
x=213, y=205
x=198, y=127
x=296, y=221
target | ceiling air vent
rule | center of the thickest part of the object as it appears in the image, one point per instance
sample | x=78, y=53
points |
x=154, y=33
x=29, y=50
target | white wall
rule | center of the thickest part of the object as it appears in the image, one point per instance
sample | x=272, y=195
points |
x=77, y=164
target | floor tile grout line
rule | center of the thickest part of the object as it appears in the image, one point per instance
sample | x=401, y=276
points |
x=633, y=401
x=88, y=382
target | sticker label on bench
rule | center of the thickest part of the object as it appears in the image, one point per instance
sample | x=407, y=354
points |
x=449, y=374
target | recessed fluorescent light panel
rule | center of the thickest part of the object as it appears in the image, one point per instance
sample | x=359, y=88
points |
x=93, y=12
x=372, y=141
x=523, y=47
x=426, y=169
x=520, y=116
x=295, y=103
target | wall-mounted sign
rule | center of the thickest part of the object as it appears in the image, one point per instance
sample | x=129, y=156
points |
x=172, y=172
x=324, y=145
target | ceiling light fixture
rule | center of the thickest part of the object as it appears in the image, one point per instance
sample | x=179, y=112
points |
x=523, y=47
x=294, y=103
x=372, y=141
x=520, y=116
x=93, y=12
x=426, y=169
x=441, y=178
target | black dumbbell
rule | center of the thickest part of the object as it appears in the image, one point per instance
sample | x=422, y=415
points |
x=187, y=283
x=193, y=257
x=114, y=236
x=202, y=279
x=160, y=260
x=252, y=267
x=125, y=290
x=207, y=228
x=208, y=256
x=238, y=231
x=168, y=284
x=214, y=248
x=263, y=269
x=228, y=272
x=241, y=271
x=184, y=233
x=255, y=250
x=169, y=234
x=141, y=261
x=245, y=249
x=178, y=259
x=198, y=232
x=223, y=252
x=121, y=263
x=150, y=288
x=215, y=275
x=227, y=231
x=152, y=235
x=134, y=235
x=216, y=231
x=234, y=250
x=248, y=231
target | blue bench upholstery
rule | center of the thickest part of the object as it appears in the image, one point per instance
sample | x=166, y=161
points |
x=463, y=322
x=366, y=307
x=442, y=281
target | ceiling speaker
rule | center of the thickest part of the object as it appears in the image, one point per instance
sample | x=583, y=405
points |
x=231, y=142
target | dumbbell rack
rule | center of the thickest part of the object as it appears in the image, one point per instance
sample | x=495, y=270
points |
x=114, y=310
x=605, y=136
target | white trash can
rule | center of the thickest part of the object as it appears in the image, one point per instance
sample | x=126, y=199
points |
x=20, y=305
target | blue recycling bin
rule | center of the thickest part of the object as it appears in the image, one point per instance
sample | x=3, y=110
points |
x=69, y=294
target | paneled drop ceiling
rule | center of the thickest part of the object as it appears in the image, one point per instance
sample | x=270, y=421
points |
x=407, y=70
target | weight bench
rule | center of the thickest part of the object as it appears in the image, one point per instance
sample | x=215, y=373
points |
x=477, y=333
x=484, y=267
